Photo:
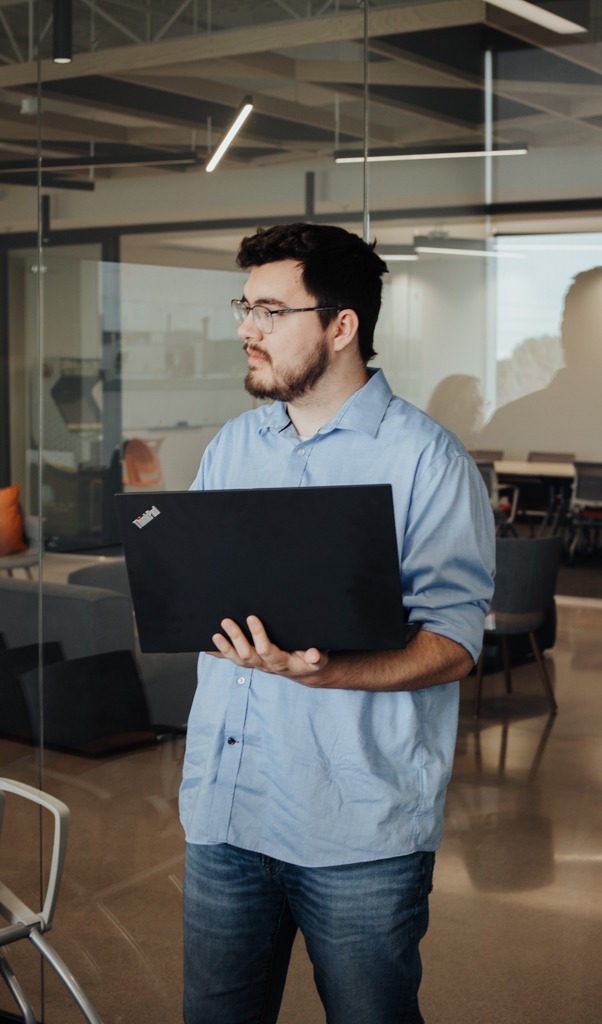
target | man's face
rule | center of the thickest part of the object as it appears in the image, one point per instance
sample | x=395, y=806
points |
x=287, y=363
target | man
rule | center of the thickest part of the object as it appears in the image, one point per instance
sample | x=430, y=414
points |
x=314, y=783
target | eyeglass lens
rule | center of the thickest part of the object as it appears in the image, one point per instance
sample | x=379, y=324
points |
x=261, y=316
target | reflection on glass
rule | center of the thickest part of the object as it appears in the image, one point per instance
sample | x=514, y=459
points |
x=558, y=408
x=458, y=404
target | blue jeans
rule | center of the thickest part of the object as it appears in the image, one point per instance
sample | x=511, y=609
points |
x=362, y=925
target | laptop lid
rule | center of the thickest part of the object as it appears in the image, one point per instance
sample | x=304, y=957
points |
x=318, y=565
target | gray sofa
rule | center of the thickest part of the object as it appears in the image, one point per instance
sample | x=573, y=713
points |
x=92, y=614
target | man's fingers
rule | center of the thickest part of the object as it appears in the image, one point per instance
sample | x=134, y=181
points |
x=261, y=640
x=236, y=641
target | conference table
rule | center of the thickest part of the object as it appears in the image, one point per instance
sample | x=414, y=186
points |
x=546, y=486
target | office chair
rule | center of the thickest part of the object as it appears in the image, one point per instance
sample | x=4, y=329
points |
x=142, y=466
x=95, y=705
x=546, y=501
x=503, y=498
x=585, y=512
x=25, y=559
x=526, y=571
x=15, y=721
x=22, y=922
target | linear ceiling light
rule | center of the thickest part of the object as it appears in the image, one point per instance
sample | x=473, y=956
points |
x=227, y=139
x=539, y=16
x=448, y=153
x=62, y=34
x=397, y=253
x=441, y=245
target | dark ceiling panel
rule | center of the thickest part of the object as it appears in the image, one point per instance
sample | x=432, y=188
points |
x=465, y=106
x=542, y=66
x=459, y=48
x=124, y=96
x=184, y=110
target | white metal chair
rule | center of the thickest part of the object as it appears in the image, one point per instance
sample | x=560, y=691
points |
x=18, y=921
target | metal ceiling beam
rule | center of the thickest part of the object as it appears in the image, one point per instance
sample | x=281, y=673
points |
x=413, y=17
x=284, y=110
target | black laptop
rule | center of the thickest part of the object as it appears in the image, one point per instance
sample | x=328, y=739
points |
x=318, y=565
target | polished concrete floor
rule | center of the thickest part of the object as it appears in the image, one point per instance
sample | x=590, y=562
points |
x=516, y=914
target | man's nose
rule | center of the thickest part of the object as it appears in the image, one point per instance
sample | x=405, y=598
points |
x=248, y=328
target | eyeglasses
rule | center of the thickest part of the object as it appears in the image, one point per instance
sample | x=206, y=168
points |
x=264, y=318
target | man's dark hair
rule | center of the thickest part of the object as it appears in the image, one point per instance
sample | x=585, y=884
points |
x=338, y=269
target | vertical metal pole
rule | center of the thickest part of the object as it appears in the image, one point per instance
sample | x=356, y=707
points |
x=490, y=364
x=111, y=384
x=310, y=190
x=365, y=199
x=5, y=468
x=488, y=75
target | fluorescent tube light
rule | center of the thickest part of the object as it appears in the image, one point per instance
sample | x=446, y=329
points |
x=443, y=246
x=240, y=120
x=452, y=153
x=539, y=16
x=447, y=250
x=396, y=253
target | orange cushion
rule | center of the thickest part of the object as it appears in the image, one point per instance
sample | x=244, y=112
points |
x=12, y=540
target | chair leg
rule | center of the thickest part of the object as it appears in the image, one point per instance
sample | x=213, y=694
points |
x=543, y=672
x=63, y=972
x=506, y=660
x=14, y=987
x=478, y=686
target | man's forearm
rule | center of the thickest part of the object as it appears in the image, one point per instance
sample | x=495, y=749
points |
x=428, y=660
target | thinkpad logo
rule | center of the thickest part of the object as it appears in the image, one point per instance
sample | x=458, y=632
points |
x=146, y=517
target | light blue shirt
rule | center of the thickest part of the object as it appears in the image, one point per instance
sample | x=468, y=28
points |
x=319, y=777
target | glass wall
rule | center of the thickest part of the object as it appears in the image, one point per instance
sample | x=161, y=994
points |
x=123, y=360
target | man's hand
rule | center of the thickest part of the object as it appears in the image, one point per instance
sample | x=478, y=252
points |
x=263, y=654
x=428, y=660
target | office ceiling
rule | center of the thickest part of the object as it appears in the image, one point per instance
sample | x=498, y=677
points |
x=153, y=85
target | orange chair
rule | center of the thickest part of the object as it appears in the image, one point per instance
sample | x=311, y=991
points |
x=142, y=466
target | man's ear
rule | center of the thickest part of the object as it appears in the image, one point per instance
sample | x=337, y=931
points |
x=346, y=329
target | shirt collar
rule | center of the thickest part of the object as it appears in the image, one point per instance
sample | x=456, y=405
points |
x=364, y=410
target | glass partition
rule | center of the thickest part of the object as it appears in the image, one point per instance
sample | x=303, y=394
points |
x=462, y=138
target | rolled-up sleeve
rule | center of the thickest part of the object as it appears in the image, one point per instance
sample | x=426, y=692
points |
x=448, y=552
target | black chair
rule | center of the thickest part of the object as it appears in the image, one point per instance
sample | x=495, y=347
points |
x=546, y=500
x=585, y=514
x=94, y=705
x=526, y=571
x=15, y=721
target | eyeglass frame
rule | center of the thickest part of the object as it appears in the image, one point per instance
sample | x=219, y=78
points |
x=237, y=306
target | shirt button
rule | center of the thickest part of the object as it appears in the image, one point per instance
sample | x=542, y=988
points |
x=241, y=680
x=231, y=741
x=300, y=451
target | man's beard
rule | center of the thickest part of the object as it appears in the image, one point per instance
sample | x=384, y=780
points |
x=294, y=383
